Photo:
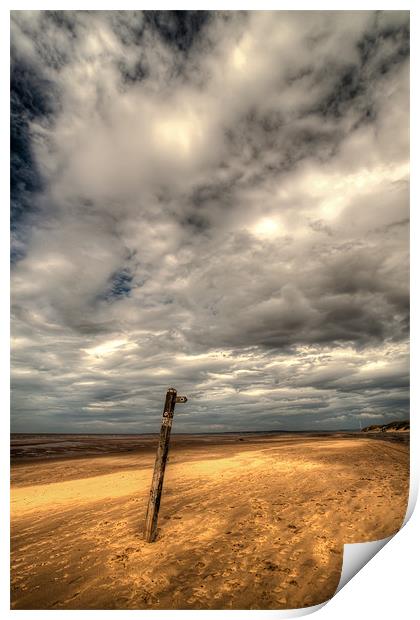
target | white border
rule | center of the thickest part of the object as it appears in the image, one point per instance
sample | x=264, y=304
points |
x=387, y=586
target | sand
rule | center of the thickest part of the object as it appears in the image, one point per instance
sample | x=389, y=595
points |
x=254, y=523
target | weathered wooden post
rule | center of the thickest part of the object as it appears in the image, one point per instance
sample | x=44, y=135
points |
x=160, y=463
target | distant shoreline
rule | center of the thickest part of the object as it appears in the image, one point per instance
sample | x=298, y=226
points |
x=198, y=433
x=50, y=446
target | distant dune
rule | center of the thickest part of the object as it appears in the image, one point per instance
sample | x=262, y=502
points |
x=387, y=428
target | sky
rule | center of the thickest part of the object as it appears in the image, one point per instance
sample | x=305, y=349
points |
x=216, y=202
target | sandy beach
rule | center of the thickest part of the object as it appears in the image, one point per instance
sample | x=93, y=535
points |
x=246, y=521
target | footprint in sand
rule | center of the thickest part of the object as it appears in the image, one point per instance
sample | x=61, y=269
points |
x=270, y=566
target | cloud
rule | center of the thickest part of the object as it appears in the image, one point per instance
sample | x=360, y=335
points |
x=216, y=201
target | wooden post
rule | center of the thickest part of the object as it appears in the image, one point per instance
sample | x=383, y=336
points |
x=160, y=463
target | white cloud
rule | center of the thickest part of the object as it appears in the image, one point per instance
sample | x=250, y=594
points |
x=230, y=219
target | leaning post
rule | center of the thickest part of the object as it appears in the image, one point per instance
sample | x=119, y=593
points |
x=160, y=463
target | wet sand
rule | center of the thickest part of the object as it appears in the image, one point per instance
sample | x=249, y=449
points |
x=246, y=522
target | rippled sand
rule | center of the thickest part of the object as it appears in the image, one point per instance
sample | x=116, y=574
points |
x=254, y=523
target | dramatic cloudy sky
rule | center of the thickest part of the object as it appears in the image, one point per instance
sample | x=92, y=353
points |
x=215, y=202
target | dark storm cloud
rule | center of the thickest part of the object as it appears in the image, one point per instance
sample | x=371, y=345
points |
x=178, y=28
x=215, y=201
x=30, y=99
